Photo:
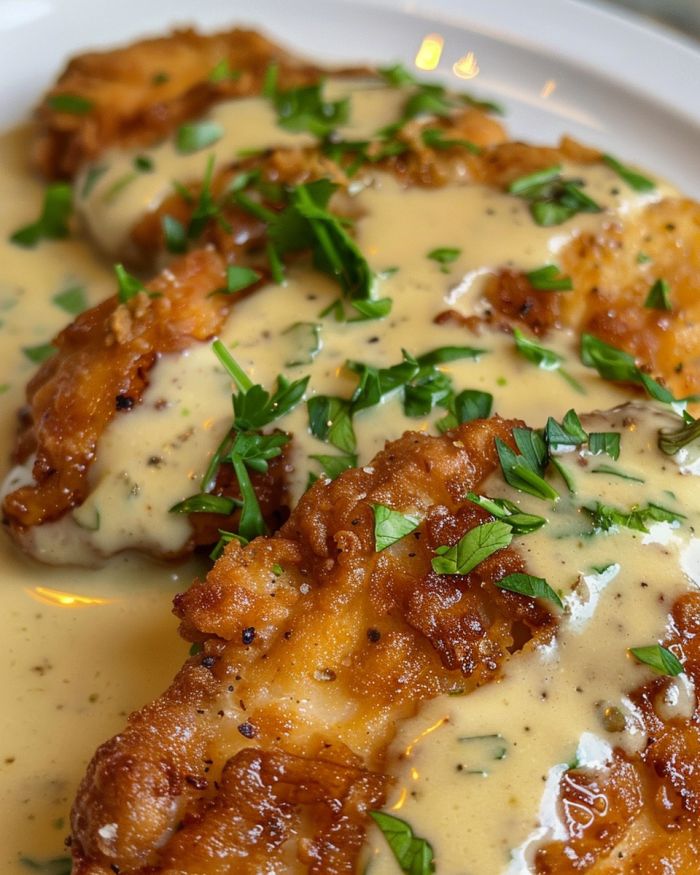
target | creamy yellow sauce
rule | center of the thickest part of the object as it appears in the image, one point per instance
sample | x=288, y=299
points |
x=87, y=646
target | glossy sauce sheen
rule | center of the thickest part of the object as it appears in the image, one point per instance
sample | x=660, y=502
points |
x=86, y=646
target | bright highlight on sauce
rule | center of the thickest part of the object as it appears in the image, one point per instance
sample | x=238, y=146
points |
x=430, y=52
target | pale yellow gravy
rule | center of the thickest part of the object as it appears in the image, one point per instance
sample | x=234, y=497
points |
x=88, y=645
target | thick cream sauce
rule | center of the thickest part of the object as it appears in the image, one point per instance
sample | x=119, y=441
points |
x=87, y=646
x=479, y=776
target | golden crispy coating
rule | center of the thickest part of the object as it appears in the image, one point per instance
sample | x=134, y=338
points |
x=611, y=284
x=136, y=95
x=303, y=675
x=100, y=371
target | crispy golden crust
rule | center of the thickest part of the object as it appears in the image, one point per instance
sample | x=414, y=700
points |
x=611, y=286
x=100, y=371
x=139, y=93
x=304, y=674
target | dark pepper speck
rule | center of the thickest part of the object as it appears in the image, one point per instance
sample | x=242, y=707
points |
x=248, y=635
x=124, y=402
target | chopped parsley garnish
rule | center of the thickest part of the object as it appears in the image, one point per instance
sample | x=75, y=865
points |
x=222, y=72
x=330, y=420
x=305, y=338
x=92, y=176
x=525, y=470
x=552, y=199
x=73, y=104
x=604, y=442
x=206, y=207
x=612, y=471
x=414, y=855
x=467, y=405
x=244, y=447
x=144, y=164
x=129, y=285
x=194, y=136
x=39, y=353
x=206, y=503
x=52, y=223
x=549, y=279
x=508, y=512
x=633, y=178
x=543, y=357
x=435, y=139
x=659, y=658
x=50, y=866
x=333, y=466
x=305, y=109
x=174, y=234
x=472, y=548
x=604, y=517
x=568, y=433
x=526, y=584
x=444, y=255
x=391, y=526
x=615, y=364
x=671, y=441
x=659, y=297
x=239, y=278
x=643, y=258
x=72, y=300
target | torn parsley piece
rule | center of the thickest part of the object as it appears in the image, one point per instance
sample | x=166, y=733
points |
x=391, y=526
x=52, y=223
x=607, y=442
x=633, y=178
x=508, y=512
x=552, y=199
x=568, y=433
x=659, y=297
x=40, y=353
x=72, y=301
x=671, y=441
x=244, y=447
x=194, y=136
x=525, y=470
x=549, y=278
x=472, y=548
x=129, y=285
x=544, y=358
x=333, y=466
x=174, y=234
x=659, y=658
x=222, y=72
x=73, y=104
x=604, y=517
x=239, y=278
x=330, y=420
x=305, y=109
x=435, y=139
x=203, y=502
x=534, y=587
x=305, y=338
x=414, y=855
x=618, y=365
x=467, y=405
x=444, y=255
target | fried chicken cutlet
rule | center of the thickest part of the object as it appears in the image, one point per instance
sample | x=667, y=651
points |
x=271, y=747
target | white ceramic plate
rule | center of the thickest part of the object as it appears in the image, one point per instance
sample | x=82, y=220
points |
x=559, y=66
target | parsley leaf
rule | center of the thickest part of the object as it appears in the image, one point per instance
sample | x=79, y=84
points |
x=605, y=517
x=203, y=502
x=305, y=109
x=552, y=199
x=52, y=223
x=333, y=466
x=549, y=279
x=526, y=584
x=570, y=433
x=413, y=854
x=605, y=442
x=468, y=405
x=543, y=357
x=659, y=297
x=71, y=301
x=222, y=72
x=194, y=136
x=330, y=420
x=671, y=441
x=174, y=234
x=129, y=286
x=525, y=470
x=239, y=278
x=73, y=104
x=444, y=255
x=391, y=526
x=39, y=353
x=659, y=658
x=508, y=512
x=633, y=178
x=472, y=548
x=435, y=139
